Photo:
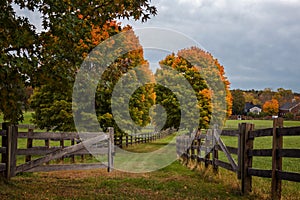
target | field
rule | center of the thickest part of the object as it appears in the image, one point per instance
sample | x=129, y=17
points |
x=258, y=124
x=173, y=182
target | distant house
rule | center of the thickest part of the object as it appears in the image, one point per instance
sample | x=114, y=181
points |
x=290, y=107
x=251, y=108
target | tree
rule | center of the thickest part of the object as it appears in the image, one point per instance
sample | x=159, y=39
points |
x=238, y=102
x=283, y=96
x=17, y=61
x=271, y=107
x=59, y=88
x=214, y=75
x=251, y=98
x=130, y=72
x=202, y=72
x=266, y=95
x=51, y=56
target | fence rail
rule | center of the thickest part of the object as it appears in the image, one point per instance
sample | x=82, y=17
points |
x=77, y=146
x=67, y=145
x=206, y=145
x=132, y=139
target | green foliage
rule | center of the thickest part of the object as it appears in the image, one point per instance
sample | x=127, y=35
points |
x=53, y=108
x=238, y=102
x=289, y=116
x=17, y=61
x=53, y=56
x=131, y=96
x=210, y=87
x=74, y=28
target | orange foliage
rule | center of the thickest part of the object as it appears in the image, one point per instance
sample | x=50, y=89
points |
x=271, y=107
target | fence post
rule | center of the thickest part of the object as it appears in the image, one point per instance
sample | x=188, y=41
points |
x=245, y=161
x=207, y=147
x=110, y=149
x=29, y=144
x=47, y=144
x=62, y=145
x=121, y=141
x=72, y=156
x=276, y=160
x=11, y=151
x=126, y=137
x=215, y=154
x=5, y=126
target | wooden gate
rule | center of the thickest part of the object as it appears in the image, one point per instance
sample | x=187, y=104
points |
x=93, y=143
x=199, y=146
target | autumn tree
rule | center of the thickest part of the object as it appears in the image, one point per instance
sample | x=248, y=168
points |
x=266, y=95
x=28, y=57
x=251, y=97
x=282, y=96
x=214, y=75
x=271, y=107
x=202, y=72
x=126, y=78
x=55, y=111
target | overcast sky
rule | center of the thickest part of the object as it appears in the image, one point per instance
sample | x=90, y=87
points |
x=257, y=41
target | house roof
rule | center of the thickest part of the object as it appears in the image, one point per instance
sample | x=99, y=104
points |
x=250, y=105
x=289, y=105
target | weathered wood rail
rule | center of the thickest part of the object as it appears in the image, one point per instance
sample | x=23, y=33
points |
x=66, y=145
x=206, y=145
x=132, y=139
x=79, y=145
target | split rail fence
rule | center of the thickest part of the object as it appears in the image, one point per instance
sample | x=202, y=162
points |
x=61, y=145
x=205, y=147
x=132, y=139
x=37, y=158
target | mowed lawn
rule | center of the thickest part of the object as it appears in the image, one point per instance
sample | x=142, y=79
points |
x=173, y=182
x=290, y=190
x=258, y=124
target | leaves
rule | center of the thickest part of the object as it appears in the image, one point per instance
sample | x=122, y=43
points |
x=53, y=57
x=271, y=107
x=211, y=88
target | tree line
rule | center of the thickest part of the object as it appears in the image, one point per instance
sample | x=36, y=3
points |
x=38, y=69
x=269, y=100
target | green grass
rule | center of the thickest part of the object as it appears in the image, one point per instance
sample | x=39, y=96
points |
x=173, y=182
x=258, y=124
x=27, y=118
x=290, y=190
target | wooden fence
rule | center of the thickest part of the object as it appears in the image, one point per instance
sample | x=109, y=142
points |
x=205, y=147
x=68, y=145
x=132, y=139
x=96, y=143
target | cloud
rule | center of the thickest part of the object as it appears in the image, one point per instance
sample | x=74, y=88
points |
x=264, y=35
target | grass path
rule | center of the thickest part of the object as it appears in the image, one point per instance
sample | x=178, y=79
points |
x=173, y=182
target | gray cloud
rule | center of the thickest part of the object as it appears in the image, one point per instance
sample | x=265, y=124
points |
x=260, y=35
x=247, y=34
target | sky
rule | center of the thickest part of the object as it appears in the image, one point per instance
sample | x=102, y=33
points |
x=257, y=41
